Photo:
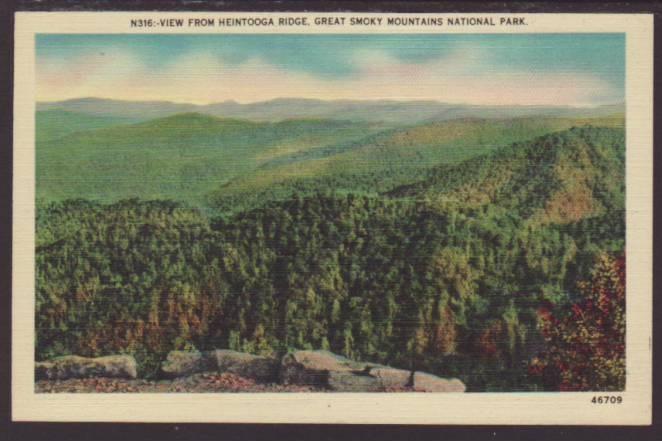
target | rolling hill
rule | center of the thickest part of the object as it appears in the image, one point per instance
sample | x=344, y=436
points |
x=387, y=159
x=182, y=157
x=230, y=164
x=560, y=177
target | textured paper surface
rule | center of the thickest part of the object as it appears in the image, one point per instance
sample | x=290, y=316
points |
x=469, y=408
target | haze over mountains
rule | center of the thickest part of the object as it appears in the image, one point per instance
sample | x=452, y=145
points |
x=386, y=111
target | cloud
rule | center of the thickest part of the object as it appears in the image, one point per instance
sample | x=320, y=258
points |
x=462, y=74
x=87, y=71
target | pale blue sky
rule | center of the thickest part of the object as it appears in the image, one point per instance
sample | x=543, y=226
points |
x=568, y=69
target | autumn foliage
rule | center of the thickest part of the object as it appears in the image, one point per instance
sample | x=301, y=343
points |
x=586, y=346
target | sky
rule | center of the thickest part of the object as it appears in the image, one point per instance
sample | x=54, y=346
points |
x=481, y=69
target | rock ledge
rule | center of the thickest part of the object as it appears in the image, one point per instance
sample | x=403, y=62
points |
x=319, y=370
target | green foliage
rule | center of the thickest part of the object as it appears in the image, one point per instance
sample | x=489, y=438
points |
x=419, y=278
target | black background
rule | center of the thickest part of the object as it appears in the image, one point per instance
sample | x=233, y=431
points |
x=119, y=432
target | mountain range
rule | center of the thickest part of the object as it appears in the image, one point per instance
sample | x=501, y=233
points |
x=109, y=150
x=386, y=111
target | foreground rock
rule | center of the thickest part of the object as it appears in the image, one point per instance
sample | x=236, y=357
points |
x=298, y=370
x=254, y=367
x=431, y=383
x=323, y=369
x=73, y=366
x=334, y=372
x=314, y=368
x=185, y=363
x=391, y=378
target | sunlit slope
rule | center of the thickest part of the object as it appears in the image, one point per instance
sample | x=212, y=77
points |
x=382, y=161
x=562, y=177
x=181, y=157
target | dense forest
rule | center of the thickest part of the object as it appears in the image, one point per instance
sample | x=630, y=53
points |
x=471, y=268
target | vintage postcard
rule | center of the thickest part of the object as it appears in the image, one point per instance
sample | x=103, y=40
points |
x=333, y=218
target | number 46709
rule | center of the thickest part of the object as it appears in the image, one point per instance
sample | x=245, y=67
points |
x=607, y=399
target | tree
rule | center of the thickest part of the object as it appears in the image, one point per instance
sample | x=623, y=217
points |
x=586, y=346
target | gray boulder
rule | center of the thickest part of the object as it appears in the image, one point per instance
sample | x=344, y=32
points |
x=328, y=370
x=312, y=368
x=74, y=366
x=424, y=382
x=391, y=378
x=375, y=378
x=255, y=367
x=183, y=363
x=341, y=381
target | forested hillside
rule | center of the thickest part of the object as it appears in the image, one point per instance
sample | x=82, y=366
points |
x=230, y=165
x=562, y=177
x=445, y=270
x=181, y=157
x=385, y=160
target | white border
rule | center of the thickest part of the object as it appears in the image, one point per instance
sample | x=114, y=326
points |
x=402, y=408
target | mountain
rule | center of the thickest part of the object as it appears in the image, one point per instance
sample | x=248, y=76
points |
x=56, y=123
x=387, y=159
x=229, y=164
x=385, y=111
x=136, y=110
x=182, y=157
x=560, y=177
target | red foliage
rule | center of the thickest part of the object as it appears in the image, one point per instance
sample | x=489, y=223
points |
x=586, y=346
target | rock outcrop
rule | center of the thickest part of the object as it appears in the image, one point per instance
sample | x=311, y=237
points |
x=334, y=372
x=185, y=363
x=254, y=367
x=313, y=368
x=73, y=366
x=352, y=382
x=317, y=370
x=424, y=382
x=390, y=378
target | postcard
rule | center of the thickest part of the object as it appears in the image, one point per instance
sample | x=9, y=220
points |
x=333, y=218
